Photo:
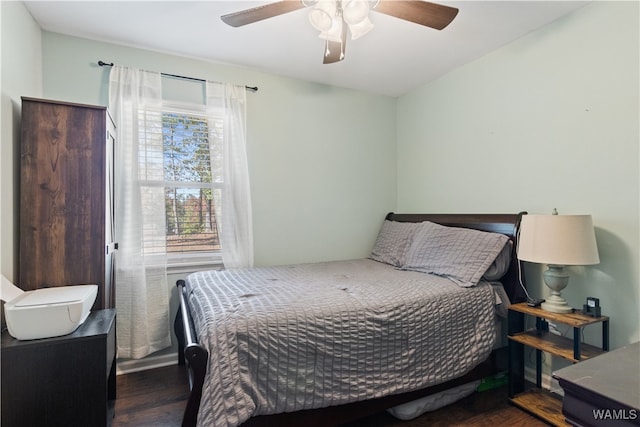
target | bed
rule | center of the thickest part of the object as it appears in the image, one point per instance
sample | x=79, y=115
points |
x=322, y=344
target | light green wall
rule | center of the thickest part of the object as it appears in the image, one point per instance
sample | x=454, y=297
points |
x=321, y=158
x=549, y=121
x=21, y=75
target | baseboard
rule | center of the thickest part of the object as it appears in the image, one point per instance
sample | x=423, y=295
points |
x=127, y=366
x=548, y=382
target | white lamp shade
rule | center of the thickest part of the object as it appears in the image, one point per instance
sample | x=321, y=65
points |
x=558, y=240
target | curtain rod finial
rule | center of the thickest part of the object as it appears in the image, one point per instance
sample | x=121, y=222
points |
x=102, y=63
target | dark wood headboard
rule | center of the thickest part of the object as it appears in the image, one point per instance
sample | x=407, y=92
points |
x=507, y=224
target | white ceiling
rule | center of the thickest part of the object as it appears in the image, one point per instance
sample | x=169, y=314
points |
x=394, y=58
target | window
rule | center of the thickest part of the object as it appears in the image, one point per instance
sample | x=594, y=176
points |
x=189, y=198
x=190, y=153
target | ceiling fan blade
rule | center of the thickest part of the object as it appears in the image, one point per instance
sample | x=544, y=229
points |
x=334, y=51
x=244, y=17
x=421, y=12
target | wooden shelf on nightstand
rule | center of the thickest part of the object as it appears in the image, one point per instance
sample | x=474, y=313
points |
x=555, y=344
x=543, y=404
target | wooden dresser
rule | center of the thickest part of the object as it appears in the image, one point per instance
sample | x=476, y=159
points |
x=66, y=194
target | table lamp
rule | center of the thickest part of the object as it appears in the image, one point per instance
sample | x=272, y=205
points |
x=557, y=240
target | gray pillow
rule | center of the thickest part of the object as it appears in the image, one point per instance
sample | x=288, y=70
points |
x=461, y=254
x=393, y=242
x=500, y=265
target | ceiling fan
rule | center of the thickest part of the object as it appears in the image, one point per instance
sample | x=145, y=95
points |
x=335, y=18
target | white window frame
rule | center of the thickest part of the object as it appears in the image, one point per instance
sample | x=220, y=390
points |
x=187, y=262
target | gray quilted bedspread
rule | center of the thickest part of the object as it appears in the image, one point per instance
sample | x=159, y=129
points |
x=313, y=335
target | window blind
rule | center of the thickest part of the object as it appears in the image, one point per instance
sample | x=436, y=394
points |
x=177, y=163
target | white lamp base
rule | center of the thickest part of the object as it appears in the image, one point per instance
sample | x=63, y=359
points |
x=556, y=278
x=556, y=304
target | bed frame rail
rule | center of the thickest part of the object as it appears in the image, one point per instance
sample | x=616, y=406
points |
x=192, y=354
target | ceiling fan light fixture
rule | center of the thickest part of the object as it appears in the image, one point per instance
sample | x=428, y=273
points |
x=361, y=28
x=355, y=11
x=322, y=15
x=333, y=34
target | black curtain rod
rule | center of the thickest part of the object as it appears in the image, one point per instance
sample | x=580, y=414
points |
x=110, y=64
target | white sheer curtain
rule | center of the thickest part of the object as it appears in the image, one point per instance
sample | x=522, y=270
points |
x=142, y=295
x=226, y=104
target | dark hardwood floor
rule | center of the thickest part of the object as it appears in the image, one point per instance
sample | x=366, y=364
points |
x=157, y=397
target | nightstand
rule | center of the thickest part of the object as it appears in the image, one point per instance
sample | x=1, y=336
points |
x=62, y=381
x=535, y=400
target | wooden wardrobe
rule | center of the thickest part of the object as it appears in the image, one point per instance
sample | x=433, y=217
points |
x=66, y=197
